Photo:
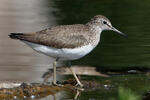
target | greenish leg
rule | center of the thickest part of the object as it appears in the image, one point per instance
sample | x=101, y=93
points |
x=54, y=72
x=75, y=76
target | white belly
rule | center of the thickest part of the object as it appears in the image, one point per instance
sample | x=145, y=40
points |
x=62, y=54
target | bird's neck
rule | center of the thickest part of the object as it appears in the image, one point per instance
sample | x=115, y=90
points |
x=94, y=34
x=94, y=27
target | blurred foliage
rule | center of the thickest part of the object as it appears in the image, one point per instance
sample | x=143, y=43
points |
x=127, y=94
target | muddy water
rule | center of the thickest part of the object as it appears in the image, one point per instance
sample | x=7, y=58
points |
x=18, y=61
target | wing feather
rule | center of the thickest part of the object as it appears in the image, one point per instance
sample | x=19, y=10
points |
x=68, y=36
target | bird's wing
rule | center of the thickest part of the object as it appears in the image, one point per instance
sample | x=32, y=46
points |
x=57, y=37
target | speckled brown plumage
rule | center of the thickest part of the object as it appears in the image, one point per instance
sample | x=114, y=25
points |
x=64, y=36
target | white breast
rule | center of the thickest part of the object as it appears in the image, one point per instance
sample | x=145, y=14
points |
x=62, y=54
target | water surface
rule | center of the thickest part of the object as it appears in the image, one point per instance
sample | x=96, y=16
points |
x=19, y=62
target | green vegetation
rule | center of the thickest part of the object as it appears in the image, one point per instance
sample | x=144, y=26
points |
x=127, y=94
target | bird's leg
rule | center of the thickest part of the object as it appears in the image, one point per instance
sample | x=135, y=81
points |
x=54, y=71
x=54, y=97
x=75, y=76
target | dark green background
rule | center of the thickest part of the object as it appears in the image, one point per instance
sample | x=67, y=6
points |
x=113, y=51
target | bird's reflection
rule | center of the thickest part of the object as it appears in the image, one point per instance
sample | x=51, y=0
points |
x=77, y=94
x=62, y=94
x=47, y=75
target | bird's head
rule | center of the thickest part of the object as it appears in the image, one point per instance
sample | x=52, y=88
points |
x=104, y=24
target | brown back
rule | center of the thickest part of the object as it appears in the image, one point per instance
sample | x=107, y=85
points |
x=64, y=36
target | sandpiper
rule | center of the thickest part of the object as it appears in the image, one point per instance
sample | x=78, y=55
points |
x=67, y=42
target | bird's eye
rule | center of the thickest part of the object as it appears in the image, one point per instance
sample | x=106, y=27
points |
x=104, y=22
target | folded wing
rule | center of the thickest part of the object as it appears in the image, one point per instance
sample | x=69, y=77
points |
x=57, y=37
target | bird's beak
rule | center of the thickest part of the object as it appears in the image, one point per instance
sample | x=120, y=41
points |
x=114, y=29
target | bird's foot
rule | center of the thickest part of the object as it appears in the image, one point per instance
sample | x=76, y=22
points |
x=80, y=86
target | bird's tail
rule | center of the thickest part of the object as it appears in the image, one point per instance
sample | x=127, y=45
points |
x=16, y=35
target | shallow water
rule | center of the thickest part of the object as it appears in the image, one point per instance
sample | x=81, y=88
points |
x=17, y=61
x=20, y=63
